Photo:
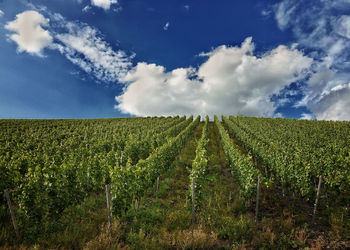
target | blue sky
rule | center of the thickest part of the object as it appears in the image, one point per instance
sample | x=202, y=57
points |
x=109, y=58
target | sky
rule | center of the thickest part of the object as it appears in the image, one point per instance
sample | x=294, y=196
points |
x=119, y=58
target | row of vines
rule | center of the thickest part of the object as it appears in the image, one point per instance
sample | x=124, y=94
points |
x=301, y=157
x=297, y=153
x=49, y=165
x=128, y=183
x=199, y=167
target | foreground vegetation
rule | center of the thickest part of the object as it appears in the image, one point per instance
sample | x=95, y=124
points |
x=175, y=183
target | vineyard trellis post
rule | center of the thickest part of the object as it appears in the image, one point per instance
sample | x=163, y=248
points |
x=193, y=201
x=157, y=186
x=266, y=174
x=12, y=213
x=108, y=198
x=257, y=200
x=317, y=197
x=136, y=204
x=121, y=157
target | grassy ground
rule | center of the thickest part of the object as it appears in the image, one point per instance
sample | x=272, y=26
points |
x=223, y=221
x=77, y=226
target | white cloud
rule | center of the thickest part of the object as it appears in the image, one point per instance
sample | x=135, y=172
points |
x=319, y=28
x=231, y=81
x=86, y=8
x=82, y=45
x=333, y=105
x=306, y=116
x=105, y=4
x=187, y=7
x=283, y=13
x=78, y=42
x=153, y=91
x=342, y=26
x=1, y=13
x=278, y=115
x=266, y=13
x=117, y=9
x=318, y=83
x=315, y=25
x=166, y=26
x=29, y=33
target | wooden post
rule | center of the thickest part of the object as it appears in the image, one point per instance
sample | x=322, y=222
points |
x=136, y=204
x=317, y=197
x=257, y=200
x=108, y=197
x=12, y=213
x=121, y=157
x=193, y=200
x=157, y=186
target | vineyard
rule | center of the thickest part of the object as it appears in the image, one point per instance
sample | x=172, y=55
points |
x=175, y=182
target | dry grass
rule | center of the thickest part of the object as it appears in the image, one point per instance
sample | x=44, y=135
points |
x=196, y=238
x=111, y=237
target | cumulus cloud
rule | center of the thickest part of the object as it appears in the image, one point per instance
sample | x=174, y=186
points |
x=320, y=29
x=1, y=13
x=153, y=91
x=29, y=34
x=105, y=4
x=232, y=80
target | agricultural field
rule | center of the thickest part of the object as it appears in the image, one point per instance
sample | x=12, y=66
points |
x=175, y=182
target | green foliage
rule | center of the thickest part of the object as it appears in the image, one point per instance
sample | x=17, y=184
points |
x=130, y=182
x=199, y=165
x=241, y=165
x=296, y=152
x=236, y=229
x=141, y=146
x=49, y=165
x=55, y=168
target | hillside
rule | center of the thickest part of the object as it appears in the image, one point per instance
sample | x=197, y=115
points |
x=175, y=182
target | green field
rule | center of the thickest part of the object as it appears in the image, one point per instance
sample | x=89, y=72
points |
x=175, y=182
